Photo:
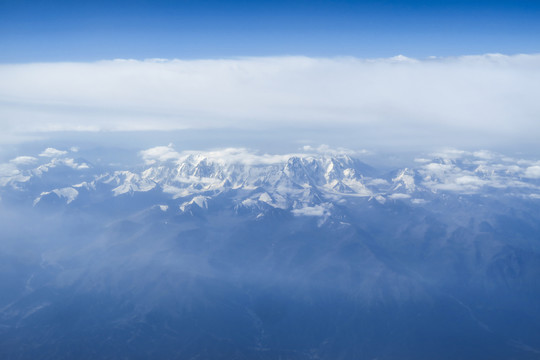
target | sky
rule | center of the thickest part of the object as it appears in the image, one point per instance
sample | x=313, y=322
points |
x=389, y=73
x=49, y=31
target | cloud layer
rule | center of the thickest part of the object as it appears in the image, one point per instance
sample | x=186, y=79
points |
x=389, y=100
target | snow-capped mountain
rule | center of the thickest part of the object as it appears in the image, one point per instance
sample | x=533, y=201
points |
x=290, y=181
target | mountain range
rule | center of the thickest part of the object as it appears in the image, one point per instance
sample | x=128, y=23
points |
x=234, y=254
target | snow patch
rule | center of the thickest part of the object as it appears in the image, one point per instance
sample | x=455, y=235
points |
x=200, y=201
x=67, y=193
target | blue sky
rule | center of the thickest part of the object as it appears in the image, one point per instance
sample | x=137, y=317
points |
x=51, y=31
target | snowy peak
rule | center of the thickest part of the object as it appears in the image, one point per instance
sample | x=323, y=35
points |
x=285, y=181
x=405, y=181
x=283, y=174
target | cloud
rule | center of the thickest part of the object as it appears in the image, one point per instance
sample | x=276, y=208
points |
x=332, y=151
x=7, y=170
x=317, y=210
x=221, y=156
x=465, y=184
x=52, y=152
x=384, y=101
x=159, y=153
x=470, y=172
x=399, y=196
x=73, y=164
x=532, y=172
x=241, y=156
x=24, y=160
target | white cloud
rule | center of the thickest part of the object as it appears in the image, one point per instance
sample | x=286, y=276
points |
x=450, y=154
x=377, y=182
x=221, y=156
x=24, y=160
x=52, y=152
x=72, y=164
x=399, y=196
x=159, y=153
x=532, y=172
x=8, y=170
x=484, y=154
x=470, y=172
x=317, y=210
x=387, y=101
x=325, y=149
x=241, y=156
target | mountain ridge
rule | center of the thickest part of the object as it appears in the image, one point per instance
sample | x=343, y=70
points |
x=288, y=181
